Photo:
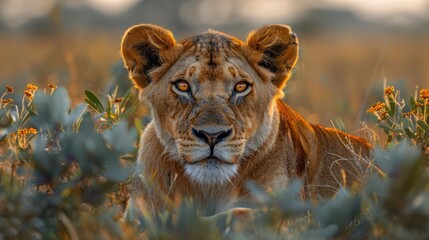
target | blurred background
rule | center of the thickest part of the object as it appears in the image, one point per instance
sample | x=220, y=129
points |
x=348, y=48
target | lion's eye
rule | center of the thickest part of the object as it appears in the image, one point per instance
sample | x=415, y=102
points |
x=182, y=85
x=241, y=87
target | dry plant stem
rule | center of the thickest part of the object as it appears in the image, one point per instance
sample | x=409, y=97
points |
x=12, y=174
x=69, y=226
x=368, y=90
x=279, y=227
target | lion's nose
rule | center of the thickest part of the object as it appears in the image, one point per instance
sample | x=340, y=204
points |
x=212, y=138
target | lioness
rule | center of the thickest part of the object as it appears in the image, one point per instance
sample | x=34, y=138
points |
x=219, y=120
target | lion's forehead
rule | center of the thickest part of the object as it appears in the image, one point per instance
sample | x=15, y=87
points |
x=212, y=49
x=212, y=61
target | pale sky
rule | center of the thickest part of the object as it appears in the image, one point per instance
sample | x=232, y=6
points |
x=16, y=12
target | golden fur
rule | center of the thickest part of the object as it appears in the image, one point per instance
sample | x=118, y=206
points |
x=208, y=142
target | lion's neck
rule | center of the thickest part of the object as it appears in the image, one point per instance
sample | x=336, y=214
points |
x=285, y=151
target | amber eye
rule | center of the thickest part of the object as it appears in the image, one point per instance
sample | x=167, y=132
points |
x=182, y=85
x=241, y=86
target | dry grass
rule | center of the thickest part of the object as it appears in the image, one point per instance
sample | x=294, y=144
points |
x=330, y=82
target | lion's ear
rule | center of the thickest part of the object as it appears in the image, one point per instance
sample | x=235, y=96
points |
x=142, y=50
x=278, y=50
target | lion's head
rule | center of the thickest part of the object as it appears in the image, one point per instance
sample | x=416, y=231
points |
x=212, y=96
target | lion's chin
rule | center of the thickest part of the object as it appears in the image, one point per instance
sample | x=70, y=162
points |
x=211, y=171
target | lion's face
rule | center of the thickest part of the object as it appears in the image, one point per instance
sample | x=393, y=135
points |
x=212, y=97
x=207, y=113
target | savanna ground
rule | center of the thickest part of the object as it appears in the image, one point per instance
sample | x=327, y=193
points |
x=65, y=155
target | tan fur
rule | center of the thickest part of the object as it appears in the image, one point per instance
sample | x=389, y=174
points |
x=269, y=143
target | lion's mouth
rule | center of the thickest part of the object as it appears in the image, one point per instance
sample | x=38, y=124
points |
x=210, y=161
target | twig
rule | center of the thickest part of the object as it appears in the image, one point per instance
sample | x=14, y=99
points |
x=69, y=226
x=368, y=90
